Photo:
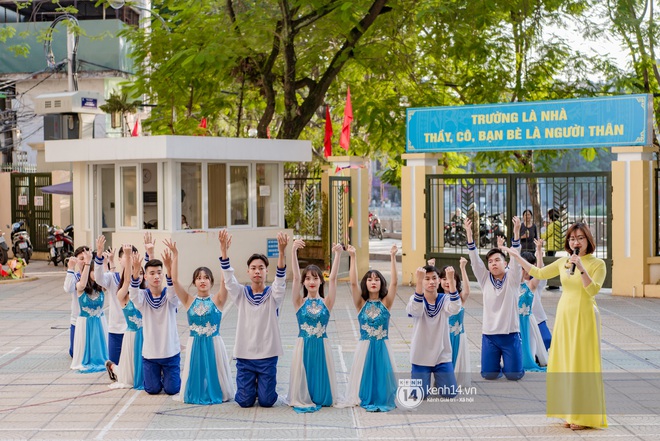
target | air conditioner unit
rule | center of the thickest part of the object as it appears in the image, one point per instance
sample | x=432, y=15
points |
x=69, y=102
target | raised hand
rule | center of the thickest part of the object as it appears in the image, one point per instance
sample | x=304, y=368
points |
x=393, y=250
x=71, y=263
x=467, y=224
x=516, y=227
x=463, y=263
x=538, y=243
x=224, y=238
x=136, y=263
x=297, y=244
x=501, y=241
x=167, y=259
x=337, y=248
x=282, y=241
x=431, y=262
x=351, y=251
x=111, y=257
x=149, y=244
x=127, y=251
x=449, y=272
x=100, y=245
x=87, y=257
x=420, y=272
x=171, y=248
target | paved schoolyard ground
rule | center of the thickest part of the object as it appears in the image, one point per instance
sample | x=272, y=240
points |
x=40, y=398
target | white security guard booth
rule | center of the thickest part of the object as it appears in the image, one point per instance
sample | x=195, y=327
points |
x=181, y=187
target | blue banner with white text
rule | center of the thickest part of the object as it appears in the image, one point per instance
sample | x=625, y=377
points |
x=615, y=121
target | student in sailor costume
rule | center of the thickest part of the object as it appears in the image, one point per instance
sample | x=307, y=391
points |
x=500, y=340
x=430, y=350
x=312, y=382
x=258, y=344
x=74, y=266
x=161, y=347
x=109, y=280
x=460, y=351
x=206, y=375
x=128, y=372
x=372, y=383
x=90, y=348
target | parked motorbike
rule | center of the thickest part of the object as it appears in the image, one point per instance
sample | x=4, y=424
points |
x=484, y=230
x=20, y=241
x=455, y=234
x=498, y=228
x=60, y=246
x=375, y=230
x=68, y=230
x=4, y=249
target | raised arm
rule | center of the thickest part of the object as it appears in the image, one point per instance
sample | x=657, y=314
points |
x=465, y=292
x=478, y=268
x=388, y=301
x=171, y=263
x=534, y=283
x=415, y=306
x=358, y=301
x=278, y=286
x=454, y=304
x=71, y=276
x=134, y=292
x=296, y=283
x=149, y=246
x=331, y=295
x=84, y=274
x=220, y=297
x=234, y=289
x=103, y=278
x=126, y=263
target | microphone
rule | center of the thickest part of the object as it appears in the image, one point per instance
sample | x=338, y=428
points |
x=576, y=251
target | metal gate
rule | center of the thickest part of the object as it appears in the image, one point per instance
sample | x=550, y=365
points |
x=29, y=204
x=339, y=216
x=491, y=200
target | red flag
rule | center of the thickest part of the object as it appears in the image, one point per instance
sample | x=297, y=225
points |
x=136, y=128
x=268, y=132
x=202, y=123
x=345, y=138
x=327, y=142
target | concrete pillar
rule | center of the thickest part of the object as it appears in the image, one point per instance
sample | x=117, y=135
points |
x=354, y=167
x=633, y=222
x=413, y=207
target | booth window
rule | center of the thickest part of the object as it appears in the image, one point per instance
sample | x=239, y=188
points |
x=129, y=209
x=268, y=191
x=150, y=195
x=217, y=195
x=191, y=195
x=239, y=191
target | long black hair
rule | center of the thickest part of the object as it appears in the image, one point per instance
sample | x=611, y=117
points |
x=92, y=286
x=313, y=269
x=198, y=271
x=383, y=284
x=443, y=275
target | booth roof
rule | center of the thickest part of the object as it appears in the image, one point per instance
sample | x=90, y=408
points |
x=187, y=148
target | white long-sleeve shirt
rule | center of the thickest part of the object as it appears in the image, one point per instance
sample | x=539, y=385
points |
x=430, y=337
x=537, y=306
x=109, y=281
x=70, y=281
x=257, y=327
x=500, y=298
x=161, y=339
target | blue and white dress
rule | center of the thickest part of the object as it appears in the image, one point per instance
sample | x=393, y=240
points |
x=460, y=352
x=532, y=341
x=312, y=382
x=129, y=369
x=206, y=374
x=90, y=344
x=372, y=384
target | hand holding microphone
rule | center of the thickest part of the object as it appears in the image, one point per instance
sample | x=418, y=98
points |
x=576, y=251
